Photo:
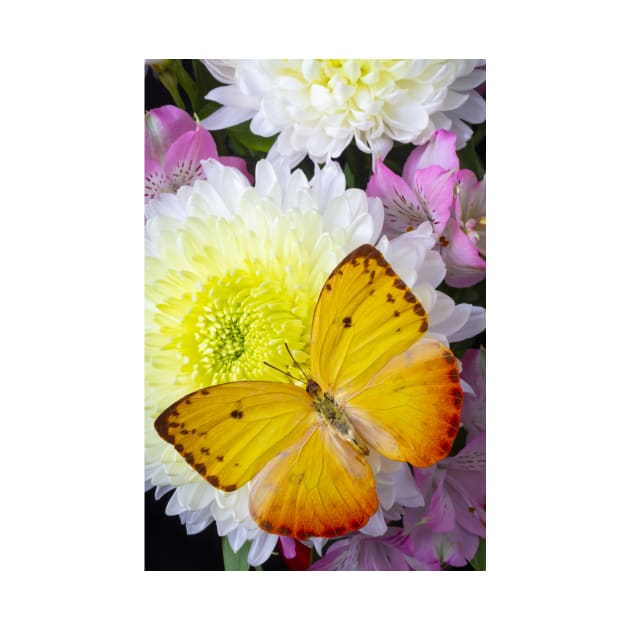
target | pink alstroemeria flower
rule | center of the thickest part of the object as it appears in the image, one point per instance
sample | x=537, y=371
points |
x=425, y=190
x=359, y=552
x=463, y=244
x=448, y=527
x=433, y=189
x=174, y=146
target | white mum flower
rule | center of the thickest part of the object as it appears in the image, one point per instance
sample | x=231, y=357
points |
x=317, y=106
x=232, y=272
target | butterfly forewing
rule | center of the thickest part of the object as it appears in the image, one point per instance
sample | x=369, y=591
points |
x=229, y=432
x=365, y=315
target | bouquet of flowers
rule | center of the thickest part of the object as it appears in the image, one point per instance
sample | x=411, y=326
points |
x=315, y=309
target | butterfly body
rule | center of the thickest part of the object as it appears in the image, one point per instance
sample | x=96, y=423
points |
x=336, y=417
x=376, y=383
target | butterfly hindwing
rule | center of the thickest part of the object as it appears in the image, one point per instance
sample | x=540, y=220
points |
x=410, y=409
x=320, y=487
x=365, y=315
x=229, y=432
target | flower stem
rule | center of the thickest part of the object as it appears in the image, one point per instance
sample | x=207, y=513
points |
x=186, y=82
x=235, y=561
x=167, y=74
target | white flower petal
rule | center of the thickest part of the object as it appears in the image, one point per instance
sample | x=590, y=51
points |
x=453, y=100
x=221, y=69
x=197, y=521
x=376, y=526
x=461, y=130
x=285, y=154
x=196, y=496
x=469, y=81
x=162, y=491
x=475, y=324
x=318, y=544
x=262, y=546
x=232, y=97
x=406, y=489
x=237, y=538
x=226, y=117
x=473, y=110
x=328, y=183
x=457, y=317
x=262, y=126
x=174, y=507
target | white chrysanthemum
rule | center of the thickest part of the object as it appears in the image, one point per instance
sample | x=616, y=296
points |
x=232, y=272
x=319, y=105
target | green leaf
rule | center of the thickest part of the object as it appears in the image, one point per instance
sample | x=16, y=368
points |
x=204, y=82
x=359, y=164
x=235, y=561
x=208, y=107
x=349, y=176
x=251, y=141
x=479, y=561
x=186, y=82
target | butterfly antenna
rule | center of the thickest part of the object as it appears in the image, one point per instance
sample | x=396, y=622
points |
x=293, y=378
x=295, y=363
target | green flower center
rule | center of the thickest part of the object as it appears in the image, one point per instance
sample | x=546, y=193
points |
x=235, y=323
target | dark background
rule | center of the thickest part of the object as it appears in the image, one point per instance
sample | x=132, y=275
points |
x=167, y=546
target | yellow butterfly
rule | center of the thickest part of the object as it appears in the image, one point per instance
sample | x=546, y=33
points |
x=375, y=383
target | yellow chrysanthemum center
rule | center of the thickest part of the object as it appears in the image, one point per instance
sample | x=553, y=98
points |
x=229, y=326
x=235, y=323
x=356, y=71
x=354, y=85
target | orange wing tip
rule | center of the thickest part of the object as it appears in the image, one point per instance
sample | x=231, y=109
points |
x=305, y=531
x=444, y=443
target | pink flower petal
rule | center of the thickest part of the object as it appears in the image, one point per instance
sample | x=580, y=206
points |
x=155, y=180
x=434, y=189
x=383, y=183
x=193, y=146
x=288, y=546
x=441, y=515
x=440, y=151
x=472, y=195
x=464, y=265
x=163, y=126
x=402, y=210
